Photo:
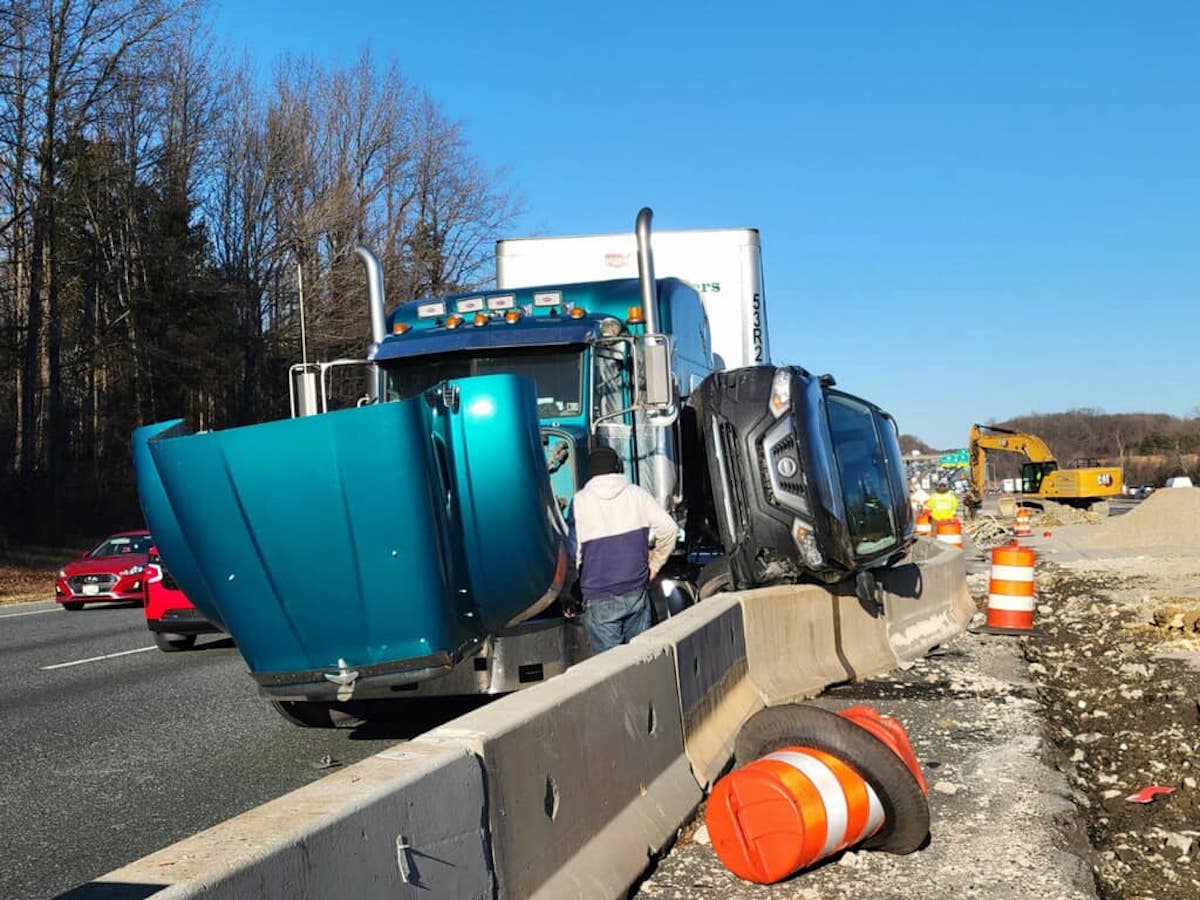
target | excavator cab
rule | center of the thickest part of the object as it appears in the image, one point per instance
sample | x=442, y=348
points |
x=1034, y=473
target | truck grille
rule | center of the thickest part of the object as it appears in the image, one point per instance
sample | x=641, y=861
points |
x=102, y=582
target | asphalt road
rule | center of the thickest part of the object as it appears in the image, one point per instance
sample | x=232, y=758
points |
x=125, y=749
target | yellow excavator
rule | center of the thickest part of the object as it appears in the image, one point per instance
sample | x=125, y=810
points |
x=1081, y=484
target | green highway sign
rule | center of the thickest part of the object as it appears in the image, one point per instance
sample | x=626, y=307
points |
x=955, y=458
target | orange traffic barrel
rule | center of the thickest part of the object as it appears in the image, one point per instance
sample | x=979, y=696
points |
x=924, y=524
x=826, y=781
x=1024, y=526
x=1011, y=591
x=950, y=531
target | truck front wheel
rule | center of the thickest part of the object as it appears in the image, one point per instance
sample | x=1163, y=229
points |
x=715, y=578
x=306, y=713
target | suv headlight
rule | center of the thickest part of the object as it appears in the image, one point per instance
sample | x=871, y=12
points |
x=133, y=570
x=62, y=573
x=781, y=392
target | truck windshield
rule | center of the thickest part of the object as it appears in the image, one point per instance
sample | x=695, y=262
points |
x=557, y=374
x=860, y=459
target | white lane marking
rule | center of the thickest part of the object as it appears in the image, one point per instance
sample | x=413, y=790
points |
x=80, y=662
x=36, y=612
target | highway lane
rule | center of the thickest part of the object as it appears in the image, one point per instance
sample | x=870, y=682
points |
x=111, y=749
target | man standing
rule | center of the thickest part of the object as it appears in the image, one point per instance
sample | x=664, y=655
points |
x=612, y=521
x=943, y=504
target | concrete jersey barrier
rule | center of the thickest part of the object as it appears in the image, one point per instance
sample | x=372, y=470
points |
x=586, y=775
x=407, y=822
x=708, y=645
x=926, y=600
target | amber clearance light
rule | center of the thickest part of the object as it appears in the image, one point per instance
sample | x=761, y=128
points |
x=635, y=316
x=480, y=319
x=400, y=327
x=453, y=321
x=577, y=312
x=512, y=316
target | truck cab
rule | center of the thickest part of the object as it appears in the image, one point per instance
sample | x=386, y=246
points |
x=584, y=346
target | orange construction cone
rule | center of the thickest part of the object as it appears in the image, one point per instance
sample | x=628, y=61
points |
x=924, y=525
x=828, y=781
x=1023, y=527
x=950, y=531
x=1010, y=591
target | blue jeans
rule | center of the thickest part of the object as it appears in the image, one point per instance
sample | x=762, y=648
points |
x=617, y=619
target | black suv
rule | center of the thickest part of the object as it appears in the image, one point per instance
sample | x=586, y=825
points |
x=806, y=482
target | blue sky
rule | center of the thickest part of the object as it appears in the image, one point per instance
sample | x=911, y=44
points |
x=968, y=211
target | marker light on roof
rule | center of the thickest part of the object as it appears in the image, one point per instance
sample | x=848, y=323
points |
x=512, y=316
x=453, y=321
x=469, y=304
x=635, y=316
x=547, y=298
x=400, y=327
x=431, y=310
x=578, y=312
x=504, y=301
x=480, y=319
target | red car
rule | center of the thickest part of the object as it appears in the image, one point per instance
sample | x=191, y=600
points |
x=114, y=571
x=169, y=613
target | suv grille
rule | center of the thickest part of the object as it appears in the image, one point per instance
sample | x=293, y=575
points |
x=792, y=485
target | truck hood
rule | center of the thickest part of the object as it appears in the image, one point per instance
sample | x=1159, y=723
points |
x=393, y=536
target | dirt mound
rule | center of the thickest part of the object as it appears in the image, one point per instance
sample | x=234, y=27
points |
x=1167, y=518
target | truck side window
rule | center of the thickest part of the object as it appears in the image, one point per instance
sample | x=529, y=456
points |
x=612, y=381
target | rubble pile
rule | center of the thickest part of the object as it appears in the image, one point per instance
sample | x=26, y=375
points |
x=1120, y=703
x=1167, y=518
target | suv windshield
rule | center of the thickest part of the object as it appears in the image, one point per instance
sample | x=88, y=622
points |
x=116, y=546
x=557, y=374
x=860, y=460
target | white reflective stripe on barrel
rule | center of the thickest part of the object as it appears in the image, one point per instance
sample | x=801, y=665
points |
x=874, y=815
x=1012, y=573
x=837, y=814
x=1009, y=603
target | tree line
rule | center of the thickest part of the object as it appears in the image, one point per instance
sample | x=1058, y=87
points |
x=160, y=203
x=1150, y=446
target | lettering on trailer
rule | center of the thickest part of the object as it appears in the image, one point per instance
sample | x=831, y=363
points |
x=758, y=335
x=1104, y=479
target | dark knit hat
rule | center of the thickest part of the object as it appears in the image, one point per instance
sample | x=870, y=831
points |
x=603, y=461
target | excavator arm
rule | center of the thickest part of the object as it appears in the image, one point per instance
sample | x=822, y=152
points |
x=989, y=437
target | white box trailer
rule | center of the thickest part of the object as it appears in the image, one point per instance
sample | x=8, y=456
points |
x=723, y=264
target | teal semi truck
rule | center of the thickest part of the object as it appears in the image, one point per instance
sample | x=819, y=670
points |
x=417, y=544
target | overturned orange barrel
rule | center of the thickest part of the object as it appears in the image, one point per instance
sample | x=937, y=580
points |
x=1011, y=590
x=1024, y=523
x=950, y=531
x=827, y=781
x=924, y=525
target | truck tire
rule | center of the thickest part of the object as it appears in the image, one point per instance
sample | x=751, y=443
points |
x=171, y=643
x=905, y=807
x=306, y=713
x=714, y=578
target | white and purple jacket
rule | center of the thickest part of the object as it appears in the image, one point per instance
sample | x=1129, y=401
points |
x=612, y=521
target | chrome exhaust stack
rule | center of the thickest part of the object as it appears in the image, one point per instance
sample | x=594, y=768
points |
x=376, y=301
x=649, y=288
